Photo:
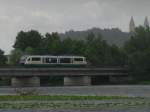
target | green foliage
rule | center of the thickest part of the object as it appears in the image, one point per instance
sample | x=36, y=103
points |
x=15, y=56
x=68, y=102
x=29, y=51
x=97, y=51
x=138, y=50
x=50, y=44
x=27, y=39
x=72, y=47
x=5, y=81
x=57, y=97
x=94, y=51
x=3, y=58
x=67, y=46
x=118, y=56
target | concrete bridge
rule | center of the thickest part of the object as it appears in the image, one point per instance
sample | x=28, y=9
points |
x=72, y=76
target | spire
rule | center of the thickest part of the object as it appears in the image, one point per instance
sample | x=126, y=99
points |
x=132, y=25
x=146, y=23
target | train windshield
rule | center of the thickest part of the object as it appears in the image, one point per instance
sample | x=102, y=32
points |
x=23, y=58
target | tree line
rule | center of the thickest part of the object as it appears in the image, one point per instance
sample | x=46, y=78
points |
x=97, y=51
x=135, y=53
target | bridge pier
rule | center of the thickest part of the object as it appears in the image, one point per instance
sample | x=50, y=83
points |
x=25, y=81
x=77, y=81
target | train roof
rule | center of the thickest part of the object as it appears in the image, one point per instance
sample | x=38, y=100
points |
x=59, y=56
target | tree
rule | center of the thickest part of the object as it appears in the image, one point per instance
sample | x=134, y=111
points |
x=30, y=51
x=15, y=56
x=99, y=52
x=51, y=44
x=3, y=58
x=27, y=39
x=78, y=47
x=95, y=49
x=67, y=46
x=118, y=56
x=138, y=51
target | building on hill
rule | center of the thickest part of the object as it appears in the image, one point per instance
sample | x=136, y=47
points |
x=132, y=25
x=146, y=23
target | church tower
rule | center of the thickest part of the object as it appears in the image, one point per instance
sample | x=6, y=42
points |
x=146, y=23
x=132, y=25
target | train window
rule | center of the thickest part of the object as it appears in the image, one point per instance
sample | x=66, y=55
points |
x=36, y=59
x=47, y=60
x=78, y=59
x=51, y=60
x=65, y=60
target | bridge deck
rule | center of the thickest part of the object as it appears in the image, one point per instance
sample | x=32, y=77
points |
x=62, y=71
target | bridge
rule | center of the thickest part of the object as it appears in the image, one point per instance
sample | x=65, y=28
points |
x=72, y=76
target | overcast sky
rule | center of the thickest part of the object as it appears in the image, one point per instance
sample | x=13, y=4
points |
x=63, y=15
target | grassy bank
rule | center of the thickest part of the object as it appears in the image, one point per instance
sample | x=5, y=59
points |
x=68, y=102
x=70, y=105
x=56, y=97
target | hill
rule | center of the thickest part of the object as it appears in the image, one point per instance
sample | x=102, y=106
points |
x=112, y=36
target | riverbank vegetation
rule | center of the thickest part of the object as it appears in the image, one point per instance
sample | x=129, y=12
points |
x=69, y=102
x=97, y=50
x=57, y=97
x=134, y=53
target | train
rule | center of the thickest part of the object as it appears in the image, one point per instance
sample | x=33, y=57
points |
x=52, y=61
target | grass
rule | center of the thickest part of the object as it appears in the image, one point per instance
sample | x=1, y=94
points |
x=69, y=105
x=56, y=97
x=65, y=102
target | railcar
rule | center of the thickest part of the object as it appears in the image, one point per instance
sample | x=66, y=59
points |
x=47, y=60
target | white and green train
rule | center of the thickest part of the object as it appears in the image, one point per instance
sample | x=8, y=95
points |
x=48, y=60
